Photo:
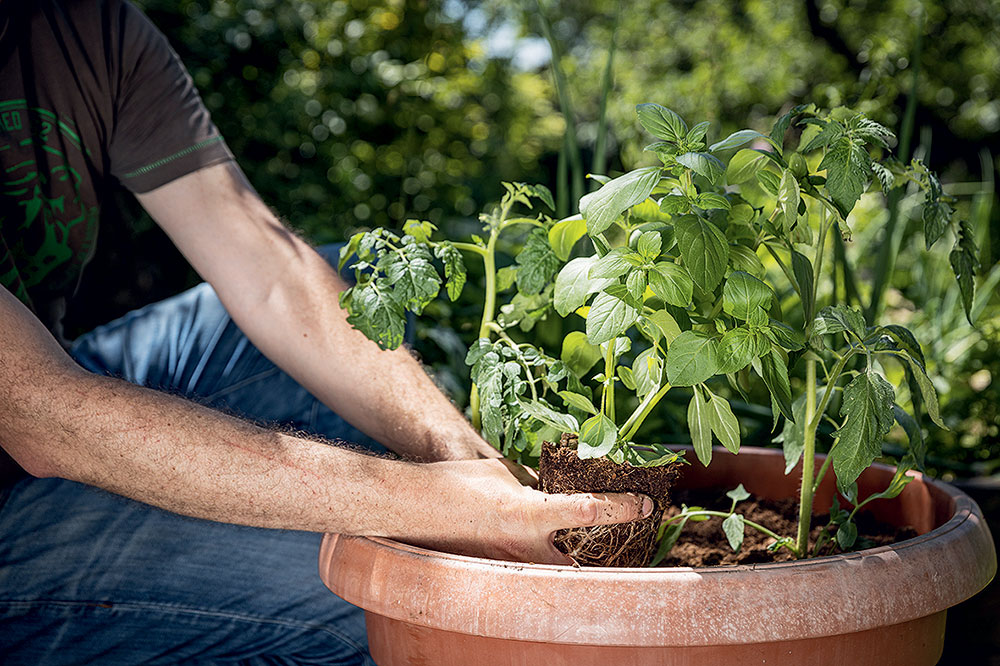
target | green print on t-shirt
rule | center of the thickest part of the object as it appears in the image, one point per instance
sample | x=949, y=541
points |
x=44, y=221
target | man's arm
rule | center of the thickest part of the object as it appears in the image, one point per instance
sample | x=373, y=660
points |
x=284, y=297
x=59, y=420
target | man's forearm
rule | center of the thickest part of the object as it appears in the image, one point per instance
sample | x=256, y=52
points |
x=386, y=394
x=180, y=456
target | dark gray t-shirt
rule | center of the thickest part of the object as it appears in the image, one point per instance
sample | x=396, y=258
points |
x=91, y=96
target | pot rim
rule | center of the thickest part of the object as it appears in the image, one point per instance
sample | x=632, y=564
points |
x=714, y=605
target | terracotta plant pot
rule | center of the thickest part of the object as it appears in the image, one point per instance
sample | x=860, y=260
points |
x=880, y=606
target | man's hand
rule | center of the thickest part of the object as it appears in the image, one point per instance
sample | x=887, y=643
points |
x=487, y=512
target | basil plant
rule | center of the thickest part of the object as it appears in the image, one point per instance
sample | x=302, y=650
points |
x=678, y=250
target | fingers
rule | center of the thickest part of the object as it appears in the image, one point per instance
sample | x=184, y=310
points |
x=524, y=475
x=585, y=510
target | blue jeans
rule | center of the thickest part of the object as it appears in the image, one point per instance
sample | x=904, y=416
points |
x=87, y=577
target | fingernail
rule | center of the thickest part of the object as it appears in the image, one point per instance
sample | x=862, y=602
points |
x=647, y=507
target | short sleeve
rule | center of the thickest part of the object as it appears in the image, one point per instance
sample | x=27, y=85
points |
x=161, y=130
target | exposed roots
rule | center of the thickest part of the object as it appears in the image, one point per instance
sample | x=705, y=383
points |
x=624, y=545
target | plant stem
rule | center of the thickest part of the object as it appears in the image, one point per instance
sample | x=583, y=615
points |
x=600, y=145
x=824, y=229
x=471, y=247
x=822, y=470
x=631, y=425
x=808, y=459
x=608, y=397
x=489, y=304
x=784, y=269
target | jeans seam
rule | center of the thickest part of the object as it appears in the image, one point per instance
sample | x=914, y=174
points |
x=133, y=606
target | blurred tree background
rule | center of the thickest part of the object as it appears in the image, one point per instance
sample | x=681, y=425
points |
x=351, y=114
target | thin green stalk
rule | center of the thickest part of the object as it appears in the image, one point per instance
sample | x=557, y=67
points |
x=600, y=145
x=851, y=293
x=608, y=397
x=562, y=182
x=822, y=470
x=471, y=247
x=489, y=304
x=634, y=421
x=785, y=269
x=806, y=492
x=824, y=229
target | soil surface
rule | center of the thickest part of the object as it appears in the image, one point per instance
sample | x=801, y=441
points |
x=703, y=544
x=630, y=545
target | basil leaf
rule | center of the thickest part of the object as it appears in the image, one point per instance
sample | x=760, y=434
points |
x=847, y=534
x=724, y=423
x=746, y=260
x=700, y=427
x=609, y=317
x=578, y=401
x=548, y=416
x=602, y=208
x=649, y=245
x=736, y=349
x=703, y=164
x=788, y=199
x=744, y=165
x=573, y=285
x=743, y=294
x=564, y=234
x=616, y=263
x=692, y=358
x=578, y=354
x=647, y=369
x=671, y=283
x=661, y=122
x=704, y=249
x=737, y=139
x=598, y=435
x=662, y=325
